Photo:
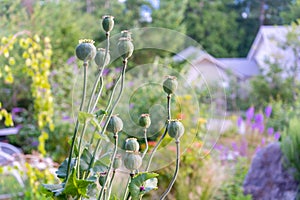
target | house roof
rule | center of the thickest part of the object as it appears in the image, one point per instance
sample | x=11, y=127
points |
x=270, y=36
x=190, y=53
x=247, y=68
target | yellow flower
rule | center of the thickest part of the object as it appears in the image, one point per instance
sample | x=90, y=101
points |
x=6, y=53
x=12, y=61
x=4, y=40
x=25, y=55
x=23, y=43
x=47, y=40
x=187, y=97
x=6, y=68
x=28, y=62
x=202, y=120
x=9, y=79
x=36, y=38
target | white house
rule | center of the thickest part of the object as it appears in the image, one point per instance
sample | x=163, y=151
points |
x=267, y=47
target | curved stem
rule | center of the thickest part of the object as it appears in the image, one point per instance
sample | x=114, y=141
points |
x=79, y=148
x=126, y=189
x=99, y=78
x=85, y=66
x=128, y=196
x=105, y=57
x=110, y=184
x=146, y=142
x=163, y=196
x=163, y=135
x=122, y=77
x=110, y=166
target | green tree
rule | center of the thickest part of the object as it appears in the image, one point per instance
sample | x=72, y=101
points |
x=213, y=25
x=254, y=13
x=292, y=14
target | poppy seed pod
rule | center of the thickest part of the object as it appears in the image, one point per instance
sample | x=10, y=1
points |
x=100, y=56
x=131, y=144
x=115, y=124
x=117, y=162
x=132, y=161
x=175, y=129
x=85, y=50
x=144, y=120
x=170, y=85
x=125, y=47
x=101, y=179
x=126, y=34
x=108, y=23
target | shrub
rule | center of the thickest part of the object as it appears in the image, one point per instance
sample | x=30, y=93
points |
x=290, y=146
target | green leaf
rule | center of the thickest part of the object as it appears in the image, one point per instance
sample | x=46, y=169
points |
x=85, y=160
x=76, y=187
x=84, y=116
x=53, y=189
x=62, y=169
x=95, y=123
x=141, y=180
x=100, y=167
x=105, y=158
x=150, y=184
x=100, y=112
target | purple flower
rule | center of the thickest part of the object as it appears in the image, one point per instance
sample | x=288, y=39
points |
x=261, y=128
x=105, y=72
x=239, y=121
x=250, y=113
x=142, y=188
x=17, y=110
x=259, y=118
x=109, y=85
x=71, y=60
x=118, y=69
x=263, y=141
x=66, y=118
x=244, y=147
x=277, y=135
x=234, y=146
x=34, y=143
x=270, y=130
x=130, y=83
x=131, y=106
x=268, y=111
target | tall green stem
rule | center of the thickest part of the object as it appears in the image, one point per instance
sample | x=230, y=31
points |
x=106, y=110
x=122, y=77
x=146, y=142
x=85, y=66
x=163, y=135
x=98, y=78
x=163, y=196
x=110, y=166
x=126, y=188
x=110, y=184
x=101, y=71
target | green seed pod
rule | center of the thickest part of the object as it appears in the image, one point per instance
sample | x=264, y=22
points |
x=131, y=144
x=144, y=120
x=132, y=161
x=117, y=162
x=85, y=50
x=108, y=23
x=170, y=85
x=101, y=179
x=115, y=124
x=175, y=129
x=100, y=55
x=125, y=47
x=126, y=34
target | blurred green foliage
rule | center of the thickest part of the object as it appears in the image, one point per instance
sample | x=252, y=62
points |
x=290, y=146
